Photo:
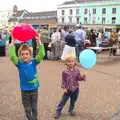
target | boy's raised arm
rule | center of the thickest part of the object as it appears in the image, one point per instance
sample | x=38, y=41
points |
x=13, y=56
x=41, y=51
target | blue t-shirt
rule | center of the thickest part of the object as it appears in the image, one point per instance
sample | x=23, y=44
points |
x=28, y=75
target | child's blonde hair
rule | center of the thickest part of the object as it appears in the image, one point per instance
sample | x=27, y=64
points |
x=24, y=47
x=69, y=56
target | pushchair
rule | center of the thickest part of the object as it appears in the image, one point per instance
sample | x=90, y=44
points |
x=87, y=44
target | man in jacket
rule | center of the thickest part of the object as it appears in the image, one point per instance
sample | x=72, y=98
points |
x=45, y=40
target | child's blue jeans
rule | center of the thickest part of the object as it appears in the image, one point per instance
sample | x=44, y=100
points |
x=73, y=98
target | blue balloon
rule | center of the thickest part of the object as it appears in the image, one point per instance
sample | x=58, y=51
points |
x=87, y=58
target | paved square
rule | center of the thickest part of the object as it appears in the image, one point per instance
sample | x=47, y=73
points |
x=99, y=97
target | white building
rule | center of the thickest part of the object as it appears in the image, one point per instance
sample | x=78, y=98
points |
x=68, y=13
x=4, y=16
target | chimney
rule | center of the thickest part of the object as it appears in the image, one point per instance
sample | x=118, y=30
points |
x=15, y=9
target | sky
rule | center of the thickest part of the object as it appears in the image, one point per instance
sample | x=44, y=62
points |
x=31, y=5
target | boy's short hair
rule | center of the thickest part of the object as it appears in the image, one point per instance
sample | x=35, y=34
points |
x=24, y=47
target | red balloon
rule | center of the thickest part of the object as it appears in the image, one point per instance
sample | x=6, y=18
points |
x=23, y=32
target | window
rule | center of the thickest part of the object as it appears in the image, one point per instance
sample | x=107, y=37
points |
x=85, y=20
x=70, y=12
x=70, y=20
x=94, y=11
x=77, y=11
x=27, y=17
x=94, y=20
x=63, y=20
x=113, y=10
x=113, y=20
x=103, y=20
x=104, y=11
x=77, y=20
x=63, y=12
x=108, y=29
x=33, y=18
x=85, y=11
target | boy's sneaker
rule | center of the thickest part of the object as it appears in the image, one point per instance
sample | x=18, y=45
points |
x=72, y=113
x=57, y=115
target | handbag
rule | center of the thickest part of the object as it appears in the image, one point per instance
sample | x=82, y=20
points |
x=68, y=50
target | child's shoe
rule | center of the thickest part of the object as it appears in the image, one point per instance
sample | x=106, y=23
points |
x=57, y=115
x=72, y=113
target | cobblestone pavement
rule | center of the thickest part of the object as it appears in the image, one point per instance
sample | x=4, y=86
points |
x=99, y=97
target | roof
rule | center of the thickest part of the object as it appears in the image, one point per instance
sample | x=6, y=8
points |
x=40, y=15
x=81, y=1
x=17, y=15
x=37, y=14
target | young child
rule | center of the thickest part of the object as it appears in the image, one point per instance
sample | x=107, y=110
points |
x=70, y=84
x=29, y=82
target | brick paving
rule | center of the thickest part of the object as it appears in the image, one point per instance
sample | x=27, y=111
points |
x=99, y=97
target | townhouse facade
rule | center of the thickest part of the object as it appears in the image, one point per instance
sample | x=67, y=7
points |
x=68, y=13
x=101, y=14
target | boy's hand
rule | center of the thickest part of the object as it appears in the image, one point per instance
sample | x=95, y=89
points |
x=38, y=41
x=65, y=90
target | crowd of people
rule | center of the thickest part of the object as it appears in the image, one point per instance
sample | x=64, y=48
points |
x=4, y=37
x=55, y=39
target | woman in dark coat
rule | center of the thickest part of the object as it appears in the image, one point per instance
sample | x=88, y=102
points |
x=93, y=36
x=70, y=39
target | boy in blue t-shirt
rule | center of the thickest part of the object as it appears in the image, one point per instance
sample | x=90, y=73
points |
x=29, y=82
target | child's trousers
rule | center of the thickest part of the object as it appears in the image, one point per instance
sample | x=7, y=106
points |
x=73, y=98
x=30, y=100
